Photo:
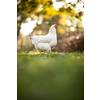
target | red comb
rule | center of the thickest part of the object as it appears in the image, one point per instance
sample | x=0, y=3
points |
x=55, y=24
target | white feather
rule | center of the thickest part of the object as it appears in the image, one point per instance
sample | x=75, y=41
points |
x=45, y=42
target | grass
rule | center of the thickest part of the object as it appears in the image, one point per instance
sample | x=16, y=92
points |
x=53, y=76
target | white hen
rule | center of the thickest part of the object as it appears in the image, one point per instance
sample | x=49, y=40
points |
x=45, y=42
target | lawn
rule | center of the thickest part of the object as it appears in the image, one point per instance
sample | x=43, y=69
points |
x=53, y=76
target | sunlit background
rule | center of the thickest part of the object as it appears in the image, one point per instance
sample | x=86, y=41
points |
x=68, y=14
x=59, y=74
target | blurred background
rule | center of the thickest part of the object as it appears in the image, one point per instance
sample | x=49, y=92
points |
x=36, y=16
x=57, y=75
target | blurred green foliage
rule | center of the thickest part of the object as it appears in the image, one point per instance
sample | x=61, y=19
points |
x=30, y=9
x=53, y=76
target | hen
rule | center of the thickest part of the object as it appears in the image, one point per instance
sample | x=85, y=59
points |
x=45, y=42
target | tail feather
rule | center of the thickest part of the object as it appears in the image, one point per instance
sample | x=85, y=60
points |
x=30, y=35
